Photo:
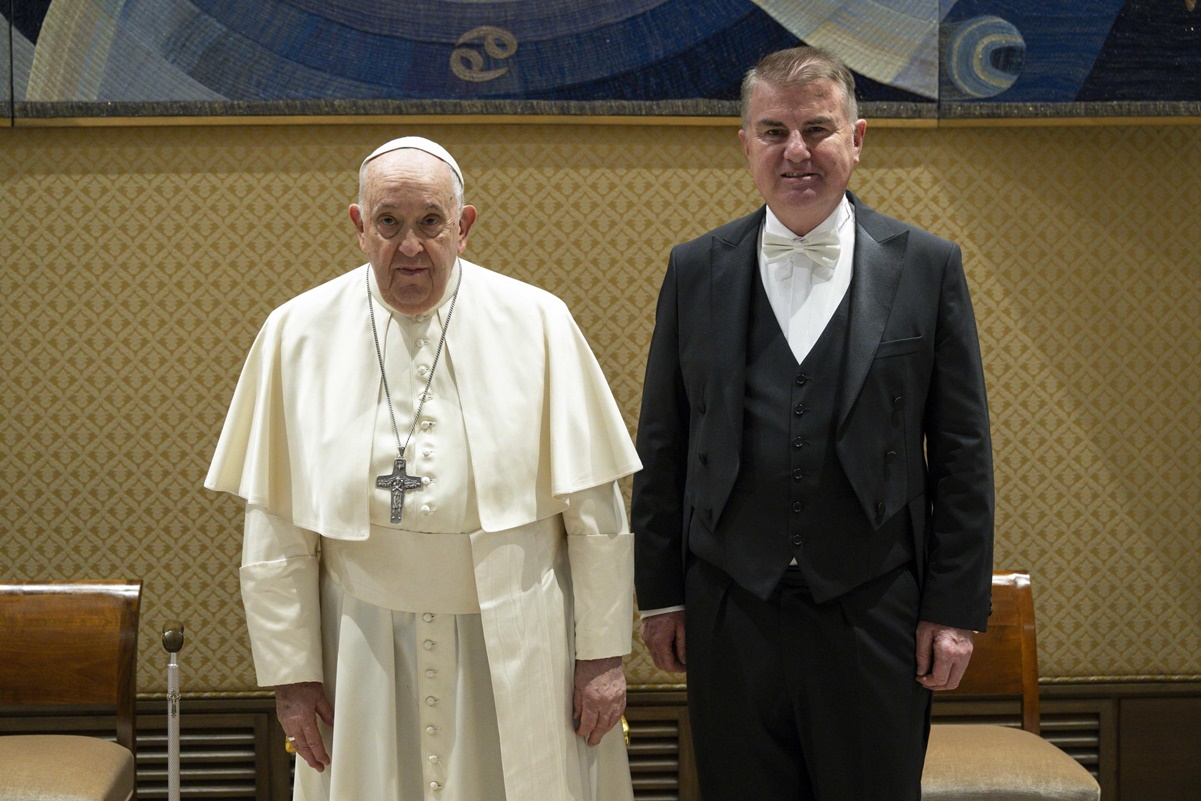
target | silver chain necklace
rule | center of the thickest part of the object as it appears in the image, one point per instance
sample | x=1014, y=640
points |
x=399, y=481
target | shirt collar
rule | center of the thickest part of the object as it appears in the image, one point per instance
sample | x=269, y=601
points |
x=841, y=214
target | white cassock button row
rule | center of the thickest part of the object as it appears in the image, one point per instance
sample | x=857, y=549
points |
x=435, y=685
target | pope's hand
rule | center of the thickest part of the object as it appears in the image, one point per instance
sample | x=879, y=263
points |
x=298, y=706
x=599, y=698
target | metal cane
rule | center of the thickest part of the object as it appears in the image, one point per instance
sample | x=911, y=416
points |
x=173, y=642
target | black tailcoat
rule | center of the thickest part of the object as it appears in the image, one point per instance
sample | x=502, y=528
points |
x=911, y=433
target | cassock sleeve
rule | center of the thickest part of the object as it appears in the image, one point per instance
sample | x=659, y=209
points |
x=600, y=548
x=280, y=592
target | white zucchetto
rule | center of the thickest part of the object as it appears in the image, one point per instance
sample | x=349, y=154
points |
x=417, y=143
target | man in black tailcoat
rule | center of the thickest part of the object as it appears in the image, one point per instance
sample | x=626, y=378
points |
x=814, y=520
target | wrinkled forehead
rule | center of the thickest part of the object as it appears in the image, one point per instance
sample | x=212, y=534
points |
x=408, y=176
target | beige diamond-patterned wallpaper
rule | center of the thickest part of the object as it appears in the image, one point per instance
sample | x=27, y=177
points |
x=138, y=262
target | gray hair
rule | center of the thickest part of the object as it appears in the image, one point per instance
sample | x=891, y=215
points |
x=796, y=67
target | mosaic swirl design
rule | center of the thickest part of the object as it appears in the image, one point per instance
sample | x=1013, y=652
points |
x=913, y=54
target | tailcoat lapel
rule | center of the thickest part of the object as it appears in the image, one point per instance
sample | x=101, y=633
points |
x=879, y=257
x=734, y=270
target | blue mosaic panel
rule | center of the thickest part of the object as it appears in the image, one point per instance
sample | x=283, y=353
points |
x=643, y=51
x=1015, y=51
x=914, y=57
x=6, y=97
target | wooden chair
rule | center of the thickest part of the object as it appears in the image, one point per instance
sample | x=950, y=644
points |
x=72, y=643
x=999, y=763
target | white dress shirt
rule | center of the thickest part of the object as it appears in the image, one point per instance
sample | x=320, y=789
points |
x=803, y=294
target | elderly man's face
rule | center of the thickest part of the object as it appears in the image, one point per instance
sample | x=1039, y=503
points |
x=411, y=227
x=801, y=148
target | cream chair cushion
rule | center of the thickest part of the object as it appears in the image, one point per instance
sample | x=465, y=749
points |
x=975, y=762
x=63, y=767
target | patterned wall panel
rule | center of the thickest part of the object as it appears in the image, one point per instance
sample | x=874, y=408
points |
x=138, y=264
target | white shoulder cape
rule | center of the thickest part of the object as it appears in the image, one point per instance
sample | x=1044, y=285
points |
x=541, y=421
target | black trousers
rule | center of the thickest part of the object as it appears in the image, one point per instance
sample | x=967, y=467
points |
x=796, y=701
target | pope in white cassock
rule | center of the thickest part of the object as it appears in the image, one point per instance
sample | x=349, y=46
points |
x=436, y=550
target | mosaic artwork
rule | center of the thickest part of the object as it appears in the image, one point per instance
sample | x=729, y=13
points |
x=916, y=58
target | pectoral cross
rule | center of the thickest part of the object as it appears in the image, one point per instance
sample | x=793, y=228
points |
x=399, y=482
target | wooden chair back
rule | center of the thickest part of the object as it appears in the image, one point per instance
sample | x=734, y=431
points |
x=71, y=643
x=1005, y=657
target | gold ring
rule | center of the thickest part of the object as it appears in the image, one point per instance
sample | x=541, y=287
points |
x=291, y=749
x=625, y=730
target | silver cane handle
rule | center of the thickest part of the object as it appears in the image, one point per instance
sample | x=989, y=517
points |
x=173, y=638
x=173, y=641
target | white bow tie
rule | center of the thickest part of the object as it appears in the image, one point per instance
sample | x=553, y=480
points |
x=823, y=248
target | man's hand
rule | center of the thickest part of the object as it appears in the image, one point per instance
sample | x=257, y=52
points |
x=297, y=706
x=599, y=698
x=942, y=655
x=664, y=638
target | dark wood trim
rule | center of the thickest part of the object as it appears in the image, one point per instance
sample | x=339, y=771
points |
x=1159, y=746
x=1121, y=732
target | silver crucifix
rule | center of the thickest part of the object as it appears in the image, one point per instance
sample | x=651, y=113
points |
x=399, y=482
